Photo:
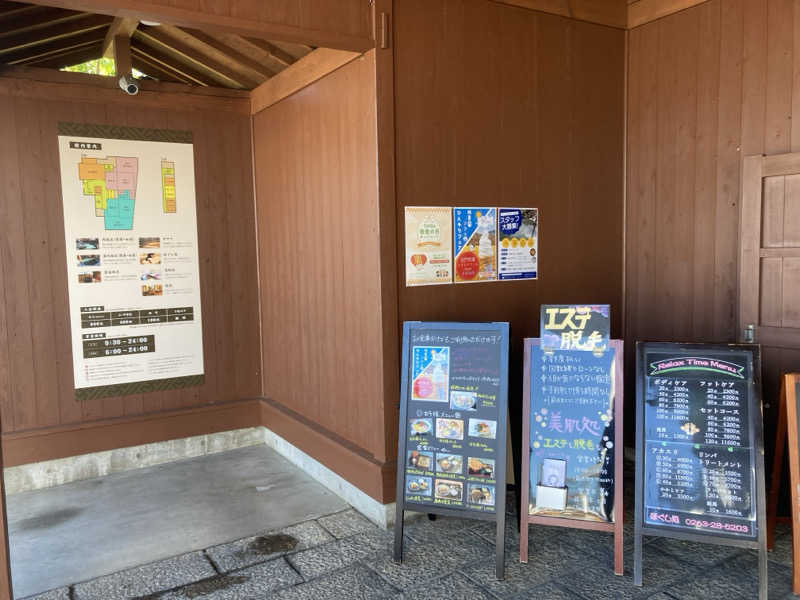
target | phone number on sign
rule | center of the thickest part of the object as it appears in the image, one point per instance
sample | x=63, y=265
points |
x=698, y=523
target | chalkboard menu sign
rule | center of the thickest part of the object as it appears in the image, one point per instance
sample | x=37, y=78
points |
x=453, y=422
x=572, y=466
x=699, y=471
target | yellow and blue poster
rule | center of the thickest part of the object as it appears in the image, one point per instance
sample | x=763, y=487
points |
x=475, y=237
x=430, y=373
x=518, y=233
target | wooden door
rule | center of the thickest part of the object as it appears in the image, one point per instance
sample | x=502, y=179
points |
x=769, y=273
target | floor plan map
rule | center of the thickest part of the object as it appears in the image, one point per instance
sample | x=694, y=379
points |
x=111, y=181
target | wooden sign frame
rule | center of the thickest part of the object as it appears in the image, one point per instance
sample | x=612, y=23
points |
x=499, y=514
x=788, y=425
x=756, y=429
x=527, y=519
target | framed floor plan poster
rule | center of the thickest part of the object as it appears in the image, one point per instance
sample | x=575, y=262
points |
x=130, y=224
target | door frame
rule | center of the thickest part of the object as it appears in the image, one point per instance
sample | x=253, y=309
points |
x=754, y=169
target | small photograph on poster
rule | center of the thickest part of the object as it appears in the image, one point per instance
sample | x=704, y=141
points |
x=420, y=460
x=150, y=258
x=480, y=494
x=518, y=247
x=420, y=426
x=150, y=275
x=475, y=241
x=480, y=467
x=87, y=244
x=430, y=368
x=483, y=428
x=450, y=429
x=152, y=289
x=449, y=463
x=88, y=260
x=446, y=489
x=90, y=277
x=418, y=485
x=429, y=245
x=149, y=242
x=463, y=400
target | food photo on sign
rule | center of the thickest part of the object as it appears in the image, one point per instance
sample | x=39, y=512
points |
x=475, y=237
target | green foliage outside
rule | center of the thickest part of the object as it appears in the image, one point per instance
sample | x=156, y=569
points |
x=99, y=66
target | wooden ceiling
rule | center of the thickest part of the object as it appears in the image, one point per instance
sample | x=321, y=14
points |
x=41, y=36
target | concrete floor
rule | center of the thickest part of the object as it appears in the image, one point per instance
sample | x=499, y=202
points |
x=83, y=530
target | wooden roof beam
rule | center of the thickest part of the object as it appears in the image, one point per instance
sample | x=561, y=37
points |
x=53, y=48
x=219, y=42
x=156, y=71
x=183, y=53
x=34, y=17
x=67, y=59
x=249, y=71
x=59, y=31
x=304, y=72
x=272, y=51
x=119, y=26
x=296, y=51
x=168, y=62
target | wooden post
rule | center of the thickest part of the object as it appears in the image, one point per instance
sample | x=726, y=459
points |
x=789, y=393
x=6, y=592
x=777, y=468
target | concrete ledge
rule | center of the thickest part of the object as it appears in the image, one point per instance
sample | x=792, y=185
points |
x=382, y=515
x=49, y=473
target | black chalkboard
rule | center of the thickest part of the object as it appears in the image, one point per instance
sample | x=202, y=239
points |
x=453, y=423
x=699, y=447
x=572, y=461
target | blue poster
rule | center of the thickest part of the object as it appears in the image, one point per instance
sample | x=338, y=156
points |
x=475, y=244
x=430, y=373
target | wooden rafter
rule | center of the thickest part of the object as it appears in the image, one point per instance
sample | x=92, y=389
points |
x=18, y=41
x=181, y=53
x=36, y=17
x=218, y=42
x=73, y=57
x=54, y=48
x=167, y=61
x=156, y=71
x=296, y=51
x=273, y=51
x=119, y=26
x=205, y=47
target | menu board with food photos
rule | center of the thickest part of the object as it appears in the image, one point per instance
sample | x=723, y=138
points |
x=453, y=422
x=699, y=452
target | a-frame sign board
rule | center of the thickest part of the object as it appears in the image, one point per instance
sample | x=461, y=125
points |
x=700, y=448
x=451, y=456
x=787, y=433
x=572, y=410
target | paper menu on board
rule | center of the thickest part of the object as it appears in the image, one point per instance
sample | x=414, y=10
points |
x=699, y=447
x=452, y=436
x=518, y=245
x=475, y=242
x=429, y=245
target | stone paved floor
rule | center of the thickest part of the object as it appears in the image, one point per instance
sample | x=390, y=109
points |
x=343, y=556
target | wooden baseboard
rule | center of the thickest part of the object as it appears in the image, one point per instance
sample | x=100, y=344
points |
x=61, y=442
x=374, y=478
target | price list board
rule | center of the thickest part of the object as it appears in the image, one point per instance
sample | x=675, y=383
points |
x=699, y=462
x=453, y=423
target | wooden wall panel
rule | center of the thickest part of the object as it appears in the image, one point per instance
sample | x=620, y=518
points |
x=36, y=383
x=319, y=262
x=726, y=85
x=502, y=106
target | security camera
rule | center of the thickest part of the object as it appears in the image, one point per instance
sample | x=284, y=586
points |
x=128, y=85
